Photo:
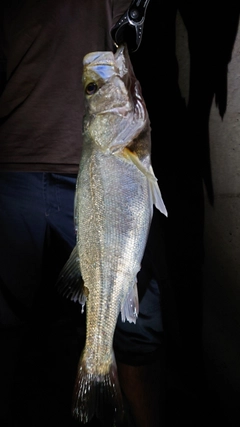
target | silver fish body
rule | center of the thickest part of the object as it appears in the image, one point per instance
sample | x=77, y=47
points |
x=115, y=192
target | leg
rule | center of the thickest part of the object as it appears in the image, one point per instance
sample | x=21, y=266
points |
x=22, y=230
x=144, y=389
x=140, y=354
x=37, y=235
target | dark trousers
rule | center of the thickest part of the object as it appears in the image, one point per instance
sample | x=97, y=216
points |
x=36, y=237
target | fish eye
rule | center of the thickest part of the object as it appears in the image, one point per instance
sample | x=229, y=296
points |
x=91, y=88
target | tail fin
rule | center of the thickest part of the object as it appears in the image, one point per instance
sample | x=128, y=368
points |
x=97, y=394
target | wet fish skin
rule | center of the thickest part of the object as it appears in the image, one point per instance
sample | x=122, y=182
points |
x=115, y=192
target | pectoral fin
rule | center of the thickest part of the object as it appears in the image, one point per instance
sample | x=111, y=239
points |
x=153, y=183
x=156, y=193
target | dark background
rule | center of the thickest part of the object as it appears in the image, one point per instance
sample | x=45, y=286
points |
x=182, y=162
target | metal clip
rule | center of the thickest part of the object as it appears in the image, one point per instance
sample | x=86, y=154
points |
x=129, y=28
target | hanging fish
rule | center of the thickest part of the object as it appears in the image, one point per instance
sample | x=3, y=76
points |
x=115, y=193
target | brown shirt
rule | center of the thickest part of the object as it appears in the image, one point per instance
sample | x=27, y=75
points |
x=41, y=106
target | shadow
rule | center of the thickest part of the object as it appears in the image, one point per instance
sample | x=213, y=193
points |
x=211, y=36
x=180, y=132
x=181, y=161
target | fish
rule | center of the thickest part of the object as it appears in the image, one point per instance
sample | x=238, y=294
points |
x=116, y=190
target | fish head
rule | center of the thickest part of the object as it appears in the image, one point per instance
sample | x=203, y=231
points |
x=115, y=111
x=104, y=88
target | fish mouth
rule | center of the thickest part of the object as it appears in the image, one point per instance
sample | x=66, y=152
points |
x=99, y=61
x=99, y=64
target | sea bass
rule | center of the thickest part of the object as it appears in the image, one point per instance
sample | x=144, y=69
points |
x=115, y=193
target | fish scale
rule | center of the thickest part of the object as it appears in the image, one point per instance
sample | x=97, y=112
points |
x=115, y=192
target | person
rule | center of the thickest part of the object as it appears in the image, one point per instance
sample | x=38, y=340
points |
x=41, y=111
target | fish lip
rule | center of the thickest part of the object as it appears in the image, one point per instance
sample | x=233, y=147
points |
x=99, y=58
x=119, y=62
